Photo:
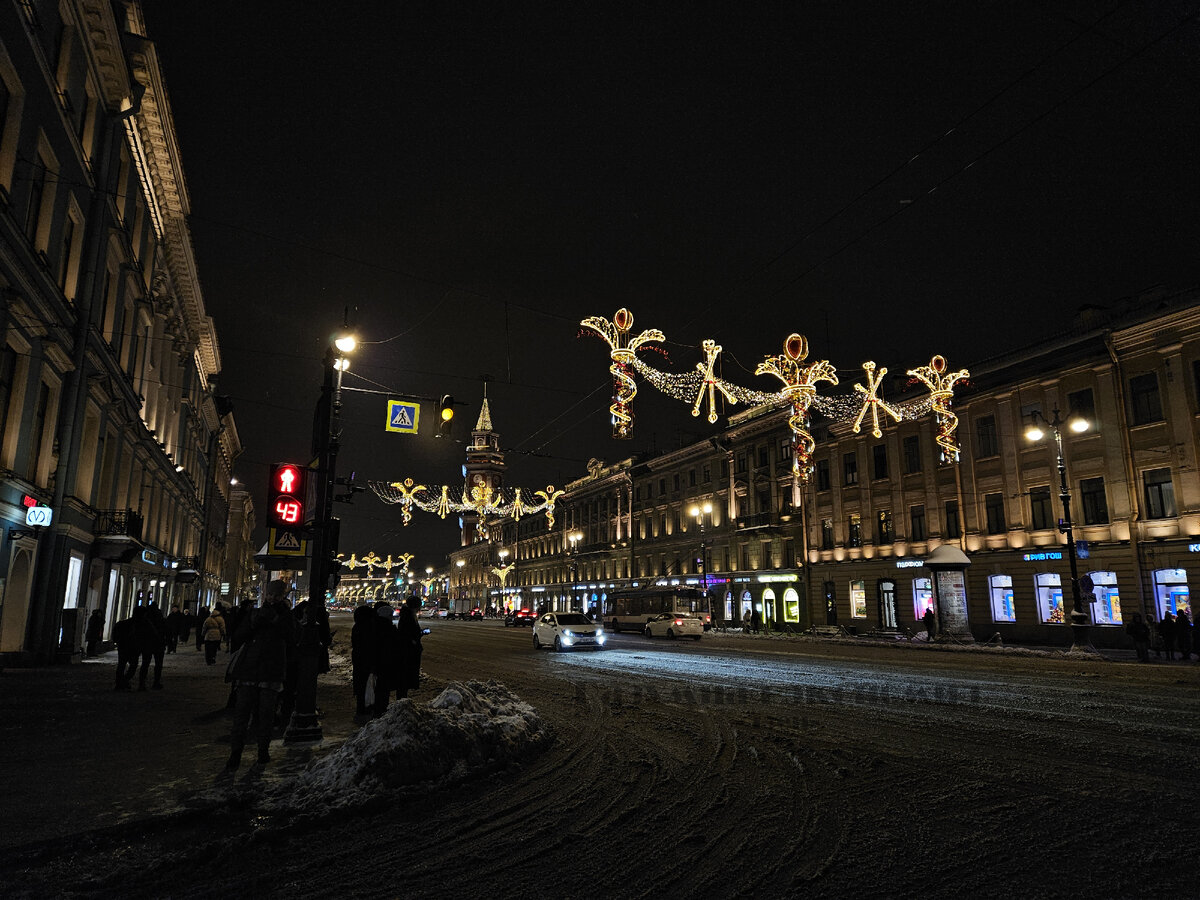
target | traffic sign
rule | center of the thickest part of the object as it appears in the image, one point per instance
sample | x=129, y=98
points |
x=403, y=416
x=286, y=543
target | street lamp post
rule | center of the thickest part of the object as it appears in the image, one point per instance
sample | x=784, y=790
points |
x=574, y=537
x=304, y=725
x=1080, y=621
x=698, y=513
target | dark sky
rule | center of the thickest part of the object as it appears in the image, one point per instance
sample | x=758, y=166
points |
x=892, y=180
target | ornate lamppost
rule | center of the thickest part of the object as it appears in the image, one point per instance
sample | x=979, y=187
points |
x=699, y=511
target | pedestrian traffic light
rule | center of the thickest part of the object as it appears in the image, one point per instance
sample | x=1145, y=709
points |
x=445, y=415
x=286, y=497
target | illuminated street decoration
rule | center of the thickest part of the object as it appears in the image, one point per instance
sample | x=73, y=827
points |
x=502, y=572
x=624, y=350
x=482, y=500
x=799, y=391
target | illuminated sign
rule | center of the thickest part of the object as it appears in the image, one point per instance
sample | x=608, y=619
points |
x=285, y=498
x=38, y=516
x=403, y=416
x=27, y=501
x=774, y=578
x=909, y=563
x=150, y=557
x=1042, y=557
x=1193, y=548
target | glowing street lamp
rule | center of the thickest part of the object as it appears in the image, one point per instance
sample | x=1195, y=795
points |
x=698, y=512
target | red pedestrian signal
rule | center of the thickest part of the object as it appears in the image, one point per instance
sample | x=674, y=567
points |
x=286, y=497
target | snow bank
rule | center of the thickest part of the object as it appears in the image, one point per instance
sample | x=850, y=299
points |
x=467, y=728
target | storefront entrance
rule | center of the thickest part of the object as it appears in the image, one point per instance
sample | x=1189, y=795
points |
x=830, y=604
x=887, y=603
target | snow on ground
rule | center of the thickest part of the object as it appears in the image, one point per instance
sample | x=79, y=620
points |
x=468, y=728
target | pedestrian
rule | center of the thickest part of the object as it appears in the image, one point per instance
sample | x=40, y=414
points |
x=746, y=617
x=756, y=620
x=1183, y=633
x=1139, y=633
x=213, y=632
x=185, y=626
x=1166, y=631
x=237, y=637
x=152, y=643
x=386, y=657
x=268, y=635
x=930, y=620
x=95, y=630
x=202, y=615
x=125, y=637
x=362, y=655
x=174, y=628
x=408, y=632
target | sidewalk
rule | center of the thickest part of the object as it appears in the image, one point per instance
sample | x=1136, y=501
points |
x=78, y=755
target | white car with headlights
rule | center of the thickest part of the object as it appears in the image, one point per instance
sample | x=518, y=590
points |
x=567, y=631
x=674, y=625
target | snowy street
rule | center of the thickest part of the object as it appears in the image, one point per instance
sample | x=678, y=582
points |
x=746, y=766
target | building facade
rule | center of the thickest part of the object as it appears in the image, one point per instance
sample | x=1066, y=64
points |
x=109, y=417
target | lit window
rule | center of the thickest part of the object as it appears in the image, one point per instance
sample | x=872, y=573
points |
x=1001, y=592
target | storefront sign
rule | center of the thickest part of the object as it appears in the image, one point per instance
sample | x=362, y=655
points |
x=910, y=563
x=38, y=516
x=150, y=557
x=776, y=578
x=1193, y=548
x=1042, y=557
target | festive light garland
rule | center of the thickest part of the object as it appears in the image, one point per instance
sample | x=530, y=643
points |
x=799, y=390
x=372, y=562
x=483, y=500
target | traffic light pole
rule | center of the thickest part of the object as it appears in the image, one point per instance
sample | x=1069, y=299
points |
x=305, y=725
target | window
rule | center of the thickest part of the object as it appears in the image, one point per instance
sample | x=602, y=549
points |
x=993, y=505
x=1048, y=587
x=691, y=477
x=64, y=254
x=1144, y=399
x=675, y=482
x=855, y=532
x=1105, y=600
x=985, y=437
x=912, y=454
x=827, y=534
x=1160, y=494
x=850, y=469
x=38, y=431
x=1041, y=511
x=858, y=599
x=1082, y=403
x=706, y=473
x=884, y=531
x=741, y=463
x=953, y=525
x=1000, y=591
x=785, y=450
x=763, y=458
x=879, y=460
x=922, y=597
x=1091, y=495
x=822, y=474
x=662, y=487
x=37, y=190
x=916, y=518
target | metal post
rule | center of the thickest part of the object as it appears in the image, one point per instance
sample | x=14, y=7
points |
x=1080, y=621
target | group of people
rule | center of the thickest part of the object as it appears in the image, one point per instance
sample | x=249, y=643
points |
x=1174, y=631
x=385, y=658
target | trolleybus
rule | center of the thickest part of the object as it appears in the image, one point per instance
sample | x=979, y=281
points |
x=631, y=608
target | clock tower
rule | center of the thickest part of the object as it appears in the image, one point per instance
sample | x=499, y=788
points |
x=484, y=468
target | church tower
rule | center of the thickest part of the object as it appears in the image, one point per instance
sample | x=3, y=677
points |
x=484, y=467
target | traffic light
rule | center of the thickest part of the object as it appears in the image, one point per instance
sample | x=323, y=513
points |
x=286, y=497
x=445, y=415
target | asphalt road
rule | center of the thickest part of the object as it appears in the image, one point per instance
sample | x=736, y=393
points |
x=742, y=767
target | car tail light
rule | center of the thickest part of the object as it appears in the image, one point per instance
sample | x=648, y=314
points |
x=679, y=621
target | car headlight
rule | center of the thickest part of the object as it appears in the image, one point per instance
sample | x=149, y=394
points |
x=568, y=633
x=601, y=637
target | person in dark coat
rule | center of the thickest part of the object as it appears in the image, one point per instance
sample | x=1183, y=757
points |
x=237, y=637
x=125, y=637
x=1139, y=633
x=213, y=633
x=185, y=625
x=930, y=620
x=362, y=655
x=202, y=615
x=408, y=676
x=1183, y=633
x=174, y=627
x=152, y=643
x=756, y=620
x=269, y=635
x=1166, y=631
x=95, y=630
x=386, y=657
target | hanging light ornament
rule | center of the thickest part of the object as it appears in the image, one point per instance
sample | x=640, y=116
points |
x=799, y=390
x=941, y=389
x=872, y=401
x=482, y=500
x=624, y=350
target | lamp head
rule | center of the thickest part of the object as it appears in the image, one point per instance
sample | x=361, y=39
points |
x=1078, y=424
x=1033, y=433
x=345, y=341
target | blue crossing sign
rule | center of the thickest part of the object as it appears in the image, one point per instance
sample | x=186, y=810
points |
x=403, y=416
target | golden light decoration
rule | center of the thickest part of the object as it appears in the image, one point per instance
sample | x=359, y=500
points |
x=711, y=384
x=624, y=355
x=872, y=401
x=799, y=390
x=482, y=500
x=940, y=381
x=502, y=572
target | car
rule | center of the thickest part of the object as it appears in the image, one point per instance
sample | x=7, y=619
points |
x=674, y=625
x=568, y=631
x=476, y=613
x=518, y=617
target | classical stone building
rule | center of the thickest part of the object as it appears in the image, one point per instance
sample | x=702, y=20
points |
x=109, y=416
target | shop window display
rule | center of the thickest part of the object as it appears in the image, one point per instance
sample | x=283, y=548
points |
x=1171, y=592
x=858, y=599
x=922, y=597
x=1000, y=590
x=791, y=605
x=1106, y=602
x=1048, y=587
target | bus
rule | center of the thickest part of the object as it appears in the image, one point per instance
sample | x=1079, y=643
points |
x=631, y=608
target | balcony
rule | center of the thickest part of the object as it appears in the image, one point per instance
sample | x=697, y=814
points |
x=758, y=520
x=118, y=534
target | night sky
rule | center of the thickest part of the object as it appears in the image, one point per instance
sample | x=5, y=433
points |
x=471, y=180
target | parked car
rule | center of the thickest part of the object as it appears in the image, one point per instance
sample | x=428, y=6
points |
x=567, y=631
x=674, y=625
x=476, y=613
x=518, y=617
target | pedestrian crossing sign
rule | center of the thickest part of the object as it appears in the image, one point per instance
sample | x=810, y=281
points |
x=286, y=543
x=403, y=415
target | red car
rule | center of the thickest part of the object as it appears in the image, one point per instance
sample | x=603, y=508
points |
x=518, y=617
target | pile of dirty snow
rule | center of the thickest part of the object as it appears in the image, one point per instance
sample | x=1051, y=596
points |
x=467, y=728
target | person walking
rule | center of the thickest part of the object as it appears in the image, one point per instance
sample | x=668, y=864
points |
x=362, y=656
x=152, y=643
x=174, y=628
x=746, y=617
x=408, y=675
x=1183, y=633
x=202, y=615
x=930, y=620
x=125, y=637
x=386, y=657
x=1166, y=631
x=95, y=630
x=213, y=632
x=237, y=638
x=268, y=635
x=186, y=622
x=1139, y=633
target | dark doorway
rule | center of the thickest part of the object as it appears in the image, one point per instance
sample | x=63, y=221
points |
x=830, y=604
x=887, y=603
